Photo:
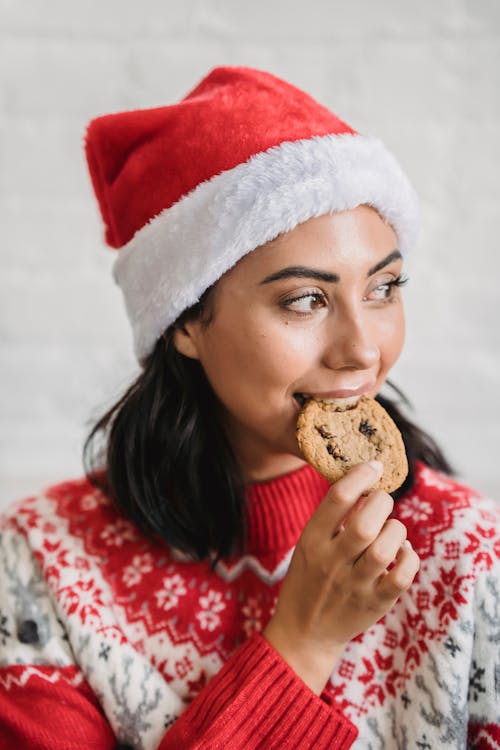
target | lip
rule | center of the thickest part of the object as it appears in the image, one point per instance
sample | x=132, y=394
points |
x=340, y=394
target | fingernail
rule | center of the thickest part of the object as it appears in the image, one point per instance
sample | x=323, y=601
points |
x=377, y=465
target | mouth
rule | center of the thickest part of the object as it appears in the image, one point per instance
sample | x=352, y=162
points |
x=301, y=398
x=342, y=397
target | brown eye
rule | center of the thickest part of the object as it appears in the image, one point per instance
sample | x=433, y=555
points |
x=305, y=303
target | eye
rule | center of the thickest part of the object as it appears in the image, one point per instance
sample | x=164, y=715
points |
x=385, y=291
x=305, y=303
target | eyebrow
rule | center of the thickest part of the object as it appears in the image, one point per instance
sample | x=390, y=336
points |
x=303, y=272
x=395, y=255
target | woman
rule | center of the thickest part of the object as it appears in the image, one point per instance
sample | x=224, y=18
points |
x=204, y=587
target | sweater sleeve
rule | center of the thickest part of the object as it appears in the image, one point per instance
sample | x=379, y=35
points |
x=258, y=702
x=484, y=675
x=45, y=707
x=255, y=702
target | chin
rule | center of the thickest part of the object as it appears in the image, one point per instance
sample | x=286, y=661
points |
x=292, y=449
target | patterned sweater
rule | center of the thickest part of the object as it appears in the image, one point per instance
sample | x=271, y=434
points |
x=108, y=641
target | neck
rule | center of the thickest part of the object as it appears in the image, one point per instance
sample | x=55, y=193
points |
x=269, y=467
x=259, y=460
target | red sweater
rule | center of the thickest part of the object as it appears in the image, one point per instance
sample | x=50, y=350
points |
x=106, y=639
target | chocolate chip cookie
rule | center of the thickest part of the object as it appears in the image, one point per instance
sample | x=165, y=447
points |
x=333, y=437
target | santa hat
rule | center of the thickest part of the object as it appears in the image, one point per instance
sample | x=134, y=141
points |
x=188, y=189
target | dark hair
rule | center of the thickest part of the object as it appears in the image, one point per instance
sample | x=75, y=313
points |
x=162, y=455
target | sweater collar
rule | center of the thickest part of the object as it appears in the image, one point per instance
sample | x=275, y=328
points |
x=278, y=509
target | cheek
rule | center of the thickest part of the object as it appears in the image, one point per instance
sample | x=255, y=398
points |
x=392, y=337
x=256, y=360
x=286, y=349
x=278, y=358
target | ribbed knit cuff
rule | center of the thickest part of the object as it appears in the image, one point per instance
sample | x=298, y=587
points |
x=257, y=701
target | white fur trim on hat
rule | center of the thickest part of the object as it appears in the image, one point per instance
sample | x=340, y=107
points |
x=182, y=251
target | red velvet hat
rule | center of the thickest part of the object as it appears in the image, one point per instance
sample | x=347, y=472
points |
x=188, y=189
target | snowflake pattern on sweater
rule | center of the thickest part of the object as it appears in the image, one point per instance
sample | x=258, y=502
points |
x=91, y=607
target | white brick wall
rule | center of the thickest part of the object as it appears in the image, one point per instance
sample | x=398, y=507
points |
x=423, y=76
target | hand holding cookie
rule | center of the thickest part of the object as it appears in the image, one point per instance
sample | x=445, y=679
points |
x=338, y=584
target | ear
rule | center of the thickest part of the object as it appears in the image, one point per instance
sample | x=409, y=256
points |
x=185, y=341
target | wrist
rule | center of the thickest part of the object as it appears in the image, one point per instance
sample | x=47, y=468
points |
x=312, y=663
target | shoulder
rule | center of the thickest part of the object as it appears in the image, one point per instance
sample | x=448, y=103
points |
x=449, y=520
x=75, y=509
x=71, y=499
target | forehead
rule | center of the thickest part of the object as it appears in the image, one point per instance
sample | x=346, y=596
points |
x=358, y=237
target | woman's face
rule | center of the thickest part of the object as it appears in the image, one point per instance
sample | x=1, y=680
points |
x=315, y=312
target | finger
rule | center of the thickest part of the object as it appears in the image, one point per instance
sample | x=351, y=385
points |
x=392, y=584
x=364, y=524
x=343, y=495
x=375, y=559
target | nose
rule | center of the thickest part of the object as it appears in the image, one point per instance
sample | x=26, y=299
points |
x=352, y=343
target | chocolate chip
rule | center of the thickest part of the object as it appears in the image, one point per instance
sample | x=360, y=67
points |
x=323, y=431
x=366, y=429
x=27, y=632
x=334, y=451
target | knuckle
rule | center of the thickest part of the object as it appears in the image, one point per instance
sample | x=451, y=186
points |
x=379, y=495
x=337, y=497
x=398, y=525
x=362, y=532
x=416, y=562
x=397, y=528
x=403, y=578
x=380, y=555
x=384, y=500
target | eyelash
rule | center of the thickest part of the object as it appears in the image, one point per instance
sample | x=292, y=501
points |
x=400, y=281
